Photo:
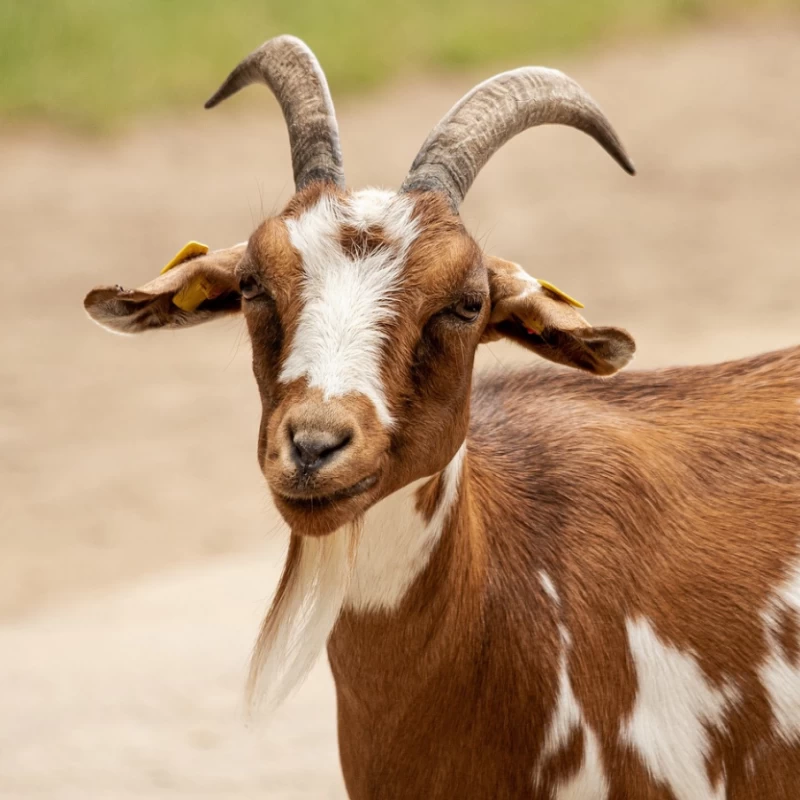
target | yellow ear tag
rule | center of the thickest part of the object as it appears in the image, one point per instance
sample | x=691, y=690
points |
x=189, y=250
x=190, y=297
x=563, y=295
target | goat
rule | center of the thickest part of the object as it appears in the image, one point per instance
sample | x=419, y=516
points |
x=542, y=585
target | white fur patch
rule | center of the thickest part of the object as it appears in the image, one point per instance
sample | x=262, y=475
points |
x=339, y=345
x=529, y=284
x=781, y=677
x=589, y=782
x=675, y=706
x=288, y=649
x=549, y=587
x=396, y=543
x=368, y=565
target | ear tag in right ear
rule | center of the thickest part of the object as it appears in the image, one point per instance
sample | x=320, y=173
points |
x=561, y=295
x=189, y=250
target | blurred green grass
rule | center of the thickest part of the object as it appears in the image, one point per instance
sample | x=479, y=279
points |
x=95, y=63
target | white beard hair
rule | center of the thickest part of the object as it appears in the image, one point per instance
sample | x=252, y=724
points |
x=303, y=613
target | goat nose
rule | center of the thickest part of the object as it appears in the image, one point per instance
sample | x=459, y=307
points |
x=311, y=450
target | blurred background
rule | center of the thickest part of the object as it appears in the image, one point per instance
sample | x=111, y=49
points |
x=138, y=545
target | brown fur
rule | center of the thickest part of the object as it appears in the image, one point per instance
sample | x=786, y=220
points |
x=358, y=242
x=669, y=497
x=672, y=494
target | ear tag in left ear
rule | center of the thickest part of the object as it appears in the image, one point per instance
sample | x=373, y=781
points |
x=189, y=250
x=190, y=297
x=561, y=295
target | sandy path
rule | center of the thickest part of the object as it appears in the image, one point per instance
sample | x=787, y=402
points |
x=137, y=694
x=138, y=545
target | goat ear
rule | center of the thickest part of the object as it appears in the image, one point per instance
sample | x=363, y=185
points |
x=544, y=319
x=194, y=287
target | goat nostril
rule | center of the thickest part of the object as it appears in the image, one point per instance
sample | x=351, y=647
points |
x=310, y=451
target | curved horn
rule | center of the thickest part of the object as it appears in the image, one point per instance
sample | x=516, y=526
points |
x=487, y=117
x=294, y=75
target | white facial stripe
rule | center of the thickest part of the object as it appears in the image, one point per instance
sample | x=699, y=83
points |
x=675, y=706
x=338, y=345
x=372, y=207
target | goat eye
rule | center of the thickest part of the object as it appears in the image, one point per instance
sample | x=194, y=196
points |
x=468, y=308
x=249, y=287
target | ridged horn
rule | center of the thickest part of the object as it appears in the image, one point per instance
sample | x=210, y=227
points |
x=492, y=113
x=289, y=68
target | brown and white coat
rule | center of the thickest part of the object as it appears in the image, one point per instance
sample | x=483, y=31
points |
x=538, y=584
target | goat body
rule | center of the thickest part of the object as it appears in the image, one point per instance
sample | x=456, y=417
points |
x=612, y=610
x=551, y=586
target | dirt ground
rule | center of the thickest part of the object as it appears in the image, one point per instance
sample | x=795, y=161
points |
x=138, y=546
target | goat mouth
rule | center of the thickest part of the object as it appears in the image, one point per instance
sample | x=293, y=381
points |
x=320, y=502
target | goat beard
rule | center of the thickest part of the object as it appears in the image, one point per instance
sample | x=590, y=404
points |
x=303, y=613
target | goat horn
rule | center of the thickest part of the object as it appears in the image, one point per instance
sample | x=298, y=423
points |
x=294, y=75
x=497, y=109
